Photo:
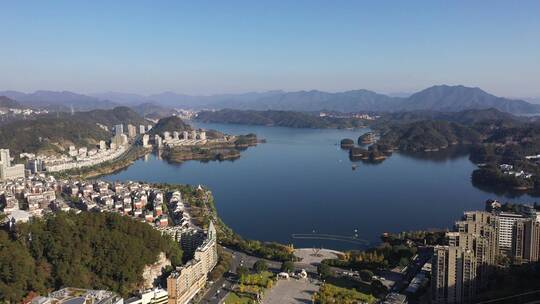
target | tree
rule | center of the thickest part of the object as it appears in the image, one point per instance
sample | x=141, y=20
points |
x=287, y=266
x=377, y=288
x=366, y=275
x=242, y=271
x=260, y=266
x=324, y=271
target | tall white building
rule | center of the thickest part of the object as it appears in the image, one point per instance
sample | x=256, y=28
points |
x=142, y=129
x=132, y=131
x=118, y=129
x=102, y=145
x=7, y=171
x=506, y=224
x=145, y=140
x=184, y=283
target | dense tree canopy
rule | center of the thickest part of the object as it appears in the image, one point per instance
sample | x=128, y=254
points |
x=90, y=250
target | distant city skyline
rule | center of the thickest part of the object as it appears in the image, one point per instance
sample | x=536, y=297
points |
x=205, y=47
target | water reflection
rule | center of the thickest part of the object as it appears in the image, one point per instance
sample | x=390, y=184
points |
x=450, y=153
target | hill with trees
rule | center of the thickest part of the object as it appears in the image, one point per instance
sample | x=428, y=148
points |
x=8, y=103
x=171, y=123
x=427, y=135
x=111, y=117
x=59, y=100
x=87, y=250
x=278, y=118
x=50, y=134
x=54, y=132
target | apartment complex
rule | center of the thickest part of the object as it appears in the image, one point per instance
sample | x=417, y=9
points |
x=186, y=281
x=463, y=266
x=453, y=275
x=7, y=171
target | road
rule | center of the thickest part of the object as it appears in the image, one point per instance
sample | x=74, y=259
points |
x=217, y=292
x=219, y=289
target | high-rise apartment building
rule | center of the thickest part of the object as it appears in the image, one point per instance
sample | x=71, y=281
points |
x=186, y=281
x=531, y=240
x=132, y=131
x=453, y=275
x=118, y=129
x=7, y=171
x=506, y=223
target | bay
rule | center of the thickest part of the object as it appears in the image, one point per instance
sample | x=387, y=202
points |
x=301, y=182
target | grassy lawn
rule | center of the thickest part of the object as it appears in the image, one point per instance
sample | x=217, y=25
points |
x=333, y=294
x=350, y=284
x=252, y=284
x=233, y=298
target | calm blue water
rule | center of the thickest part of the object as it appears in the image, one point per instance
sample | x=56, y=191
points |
x=300, y=182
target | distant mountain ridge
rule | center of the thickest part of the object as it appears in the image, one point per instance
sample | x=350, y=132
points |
x=443, y=98
x=63, y=101
x=8, y=103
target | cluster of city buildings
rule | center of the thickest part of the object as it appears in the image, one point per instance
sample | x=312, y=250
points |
x=81, y=157
x=71, y=295
x=509, y=170
x=76, y=157
x=21, y=112
x=363, y=116
x=38, y=194
x=175, y=138
x=185, y=114
x=186, y=281
x=461, y=268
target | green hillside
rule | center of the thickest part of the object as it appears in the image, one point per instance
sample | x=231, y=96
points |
x=171, y=124
x=277, y=118
x=88, y=250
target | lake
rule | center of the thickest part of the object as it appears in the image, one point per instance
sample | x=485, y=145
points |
x=301, y=182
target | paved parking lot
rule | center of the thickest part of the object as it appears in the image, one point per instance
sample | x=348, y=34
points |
x=291, y=291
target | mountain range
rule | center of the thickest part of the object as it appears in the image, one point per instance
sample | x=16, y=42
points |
x=442, y=98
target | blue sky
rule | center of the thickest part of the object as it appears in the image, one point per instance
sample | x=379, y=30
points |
x=205, y=47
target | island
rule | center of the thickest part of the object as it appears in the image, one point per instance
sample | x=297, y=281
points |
x=346, y=143
x=367, y=138
x=178, y=142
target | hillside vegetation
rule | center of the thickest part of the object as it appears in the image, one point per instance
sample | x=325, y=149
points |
x=54, y=132
x=8, y=103
x=88, y=250
x=171, y=124
x=427, y=135
x=49, y=135
x=112, y=117
x=277, y=118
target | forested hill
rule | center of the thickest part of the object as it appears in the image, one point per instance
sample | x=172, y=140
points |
x=277, y=118
x=54, y=132
x=428, y=130
x=87, y=250
x=8, y=103
x=427, y=135
x=170, y=124
x=50, y=135
x=118, y=115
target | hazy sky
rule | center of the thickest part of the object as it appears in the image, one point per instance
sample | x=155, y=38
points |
x=205, y=47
